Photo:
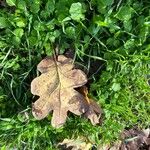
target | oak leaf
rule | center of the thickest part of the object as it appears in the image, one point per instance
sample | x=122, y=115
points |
x=55, y=88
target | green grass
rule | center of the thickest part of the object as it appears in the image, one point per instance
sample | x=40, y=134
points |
x=116, y=33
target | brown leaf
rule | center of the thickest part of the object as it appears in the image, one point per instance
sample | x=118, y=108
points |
x=75, y=144
x=55, y=86
x=103, y=147
x=115, y=146
x=136, y=139
x=94, y=111
x=133, y=139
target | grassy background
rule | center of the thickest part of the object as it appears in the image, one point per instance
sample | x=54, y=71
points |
x=116, y=33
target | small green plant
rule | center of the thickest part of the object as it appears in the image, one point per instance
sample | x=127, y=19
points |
x=113, y=32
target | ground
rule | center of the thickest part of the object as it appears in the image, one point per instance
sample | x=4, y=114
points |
x=109, y=38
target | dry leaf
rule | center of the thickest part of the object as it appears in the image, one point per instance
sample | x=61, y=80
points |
x=74, y=144
x=133, y=139
x=103, y=147
x=115, y=146
x=94, y=111
x=55, y=86
x=136, y=139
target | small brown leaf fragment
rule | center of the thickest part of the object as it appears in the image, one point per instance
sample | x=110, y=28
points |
x=55, y=86
x=103, y=147
x=115, y=146
x=94, y=111
x=74, y=144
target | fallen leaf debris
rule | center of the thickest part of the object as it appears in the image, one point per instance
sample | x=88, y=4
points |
x=133, y=139
x=74, y=144
x=56, y=90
